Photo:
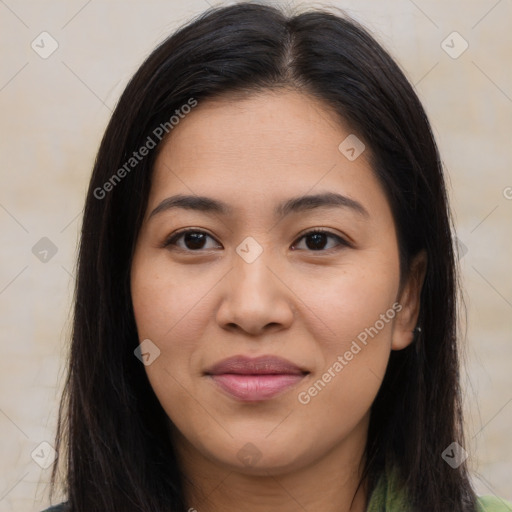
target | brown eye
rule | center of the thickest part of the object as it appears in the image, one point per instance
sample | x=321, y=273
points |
x=317, y=240
x=193, y=240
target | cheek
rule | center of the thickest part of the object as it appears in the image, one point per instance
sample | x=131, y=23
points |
x=169, y=308
x=169, y=302
x=339, y=395
x=351, y=318
x=348, y=301
x=172, y=307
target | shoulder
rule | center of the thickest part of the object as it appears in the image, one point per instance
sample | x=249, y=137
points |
x=57, y=508
x=493, y=504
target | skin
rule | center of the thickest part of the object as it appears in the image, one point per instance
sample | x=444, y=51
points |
x=202, y=305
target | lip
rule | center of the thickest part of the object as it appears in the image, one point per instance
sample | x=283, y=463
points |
x=255, y=379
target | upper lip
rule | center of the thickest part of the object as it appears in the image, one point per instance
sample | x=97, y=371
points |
x=262, y=365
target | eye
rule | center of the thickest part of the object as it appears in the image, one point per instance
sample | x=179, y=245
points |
x=316, y=240
x=193, y=240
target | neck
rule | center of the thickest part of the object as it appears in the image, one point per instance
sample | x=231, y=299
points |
x=329, y=484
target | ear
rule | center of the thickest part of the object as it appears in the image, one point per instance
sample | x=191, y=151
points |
x=409, y=299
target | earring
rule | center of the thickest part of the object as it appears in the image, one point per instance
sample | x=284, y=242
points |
x=417, y=344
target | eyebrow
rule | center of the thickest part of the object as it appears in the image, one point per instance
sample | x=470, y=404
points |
x=293, y=205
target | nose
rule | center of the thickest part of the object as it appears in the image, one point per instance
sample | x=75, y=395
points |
x=255, y=298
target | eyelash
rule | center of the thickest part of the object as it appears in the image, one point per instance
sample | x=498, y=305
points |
x=171, y=240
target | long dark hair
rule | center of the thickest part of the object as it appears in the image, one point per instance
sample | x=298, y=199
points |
x=112, y=429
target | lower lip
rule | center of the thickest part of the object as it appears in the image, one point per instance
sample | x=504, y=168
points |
x=255, y=387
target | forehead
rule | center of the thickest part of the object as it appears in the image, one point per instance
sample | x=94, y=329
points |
x=269, y=144
x=275, y=121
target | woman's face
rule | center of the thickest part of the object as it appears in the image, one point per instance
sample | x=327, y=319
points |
x=251, y=281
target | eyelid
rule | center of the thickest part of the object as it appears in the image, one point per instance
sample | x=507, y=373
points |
x=342, y=241
x=174, y=236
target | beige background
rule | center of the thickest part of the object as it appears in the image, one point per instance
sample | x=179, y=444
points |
x=54, y=112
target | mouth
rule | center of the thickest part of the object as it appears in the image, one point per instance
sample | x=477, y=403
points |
x=255, y=379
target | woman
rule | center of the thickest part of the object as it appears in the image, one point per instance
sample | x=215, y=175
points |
x=265, y=311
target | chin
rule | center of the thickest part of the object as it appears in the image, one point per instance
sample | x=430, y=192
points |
x=260, y=456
